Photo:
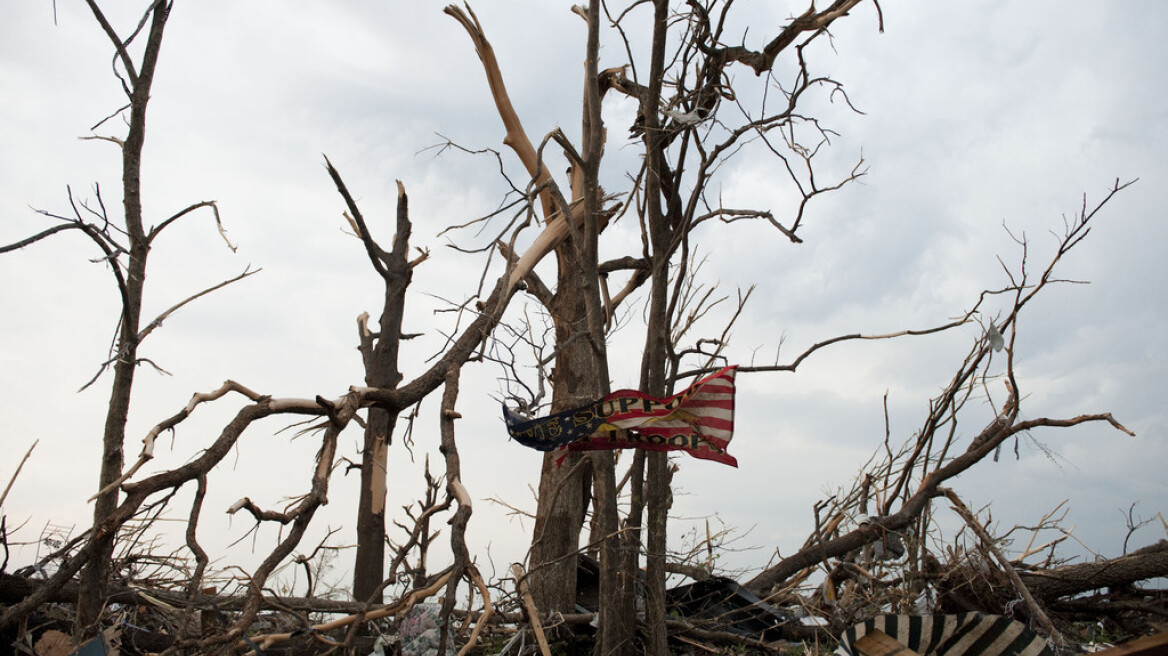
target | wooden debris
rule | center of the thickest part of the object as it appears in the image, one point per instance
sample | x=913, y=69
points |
x=53, y=643
x=879, y=643
x=532, y=611
x=1152, y=645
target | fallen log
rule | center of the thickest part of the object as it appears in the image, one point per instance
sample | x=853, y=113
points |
x=1050, y=584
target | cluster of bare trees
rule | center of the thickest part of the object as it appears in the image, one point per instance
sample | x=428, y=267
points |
x=703, y=98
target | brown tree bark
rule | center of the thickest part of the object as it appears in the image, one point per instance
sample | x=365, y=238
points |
x=564, y=485
x=617, y=612
x=91, y=598
x=581, y=372
x=1146, y=563
x=369, y=558
x=654, y=359
x=379, y=353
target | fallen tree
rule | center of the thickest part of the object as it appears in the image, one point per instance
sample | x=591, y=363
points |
x=1140, y=565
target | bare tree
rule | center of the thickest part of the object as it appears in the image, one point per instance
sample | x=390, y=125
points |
x=379, y=353
x=125, y=249
x=690, y=122
x=381, y=394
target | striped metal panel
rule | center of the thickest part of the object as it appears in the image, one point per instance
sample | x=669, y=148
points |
x=964, y=634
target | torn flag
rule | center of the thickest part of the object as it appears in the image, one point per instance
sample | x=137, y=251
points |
x=698, y=420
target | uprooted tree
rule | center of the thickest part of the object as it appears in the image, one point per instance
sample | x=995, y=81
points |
x=691, y=120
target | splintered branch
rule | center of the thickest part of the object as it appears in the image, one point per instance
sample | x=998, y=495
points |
x=516, y=137
x=154, y=232
x=529, y=608
x=377, y=256
x=19, y=466
x=365, y=340
x=147, y=454
x=561, y=219
x=809, y=21
x=553, y=234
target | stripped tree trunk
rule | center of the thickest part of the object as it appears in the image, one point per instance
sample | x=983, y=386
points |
x=654, y=362
x=564, y=484
x=95, y=575
x=379, y=353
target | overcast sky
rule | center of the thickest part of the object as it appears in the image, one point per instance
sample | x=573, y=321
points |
x=978, y=117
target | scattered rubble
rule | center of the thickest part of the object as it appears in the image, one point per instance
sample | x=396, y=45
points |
x=1092, y=605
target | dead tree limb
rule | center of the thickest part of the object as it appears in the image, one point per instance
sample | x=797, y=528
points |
x=996, y=432
x=404, y=604
x=19, y=466
x=529, y=608
x=379, y=353
x=454, y=490
x=1036, y=611
x=1142, y=564
x=931, y=447
x=516, y=137
x=809, y=21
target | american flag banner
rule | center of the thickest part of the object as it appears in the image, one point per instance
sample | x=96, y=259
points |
x=554, y=431
x=698, y=420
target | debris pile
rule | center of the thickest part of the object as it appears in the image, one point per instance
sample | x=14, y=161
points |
x=957, y=593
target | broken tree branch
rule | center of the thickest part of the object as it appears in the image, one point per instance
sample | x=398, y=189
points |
x=990, y=544
x=529, y=606
x=16, y=473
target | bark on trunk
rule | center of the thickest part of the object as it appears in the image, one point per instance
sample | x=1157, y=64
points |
x=564, y=485
x=580, y=377
x=94, y=576
x=369, y=560
x=654, y=364
x=559, y=518
x=379, y=353
x=1146, y=563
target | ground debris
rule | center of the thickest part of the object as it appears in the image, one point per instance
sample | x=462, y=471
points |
x=1092, y=604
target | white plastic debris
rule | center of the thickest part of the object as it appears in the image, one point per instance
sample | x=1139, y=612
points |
x=995, y=337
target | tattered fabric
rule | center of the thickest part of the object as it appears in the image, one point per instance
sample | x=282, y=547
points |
x=698, y=420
